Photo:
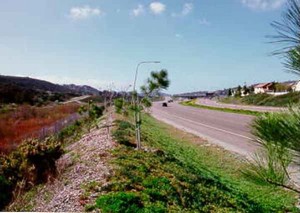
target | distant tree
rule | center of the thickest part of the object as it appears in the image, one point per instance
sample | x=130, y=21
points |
x=278, y=87
x=246, y=90
x=238, y=91
x=229, y=93
x=251, y=89
x=288, y=36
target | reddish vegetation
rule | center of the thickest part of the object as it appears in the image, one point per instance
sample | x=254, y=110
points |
x=25, y=120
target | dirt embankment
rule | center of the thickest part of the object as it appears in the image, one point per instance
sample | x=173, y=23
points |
x=83, y=165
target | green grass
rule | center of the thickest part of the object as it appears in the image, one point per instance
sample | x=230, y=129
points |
x=238, y=111
x=181, y=173
x=266, y=100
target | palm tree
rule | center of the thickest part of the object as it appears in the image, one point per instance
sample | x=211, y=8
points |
x=288, y=36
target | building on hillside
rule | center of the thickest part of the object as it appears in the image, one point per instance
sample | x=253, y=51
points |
x=264, y=88
x=221, y=93
x=296, y=86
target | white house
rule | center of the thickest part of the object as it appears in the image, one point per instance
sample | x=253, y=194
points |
x=263, y=88
x=296, y=86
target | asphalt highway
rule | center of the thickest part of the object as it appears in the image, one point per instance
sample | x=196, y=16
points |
x=230, y=130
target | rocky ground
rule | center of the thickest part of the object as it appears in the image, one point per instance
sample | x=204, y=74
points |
x=83, y=167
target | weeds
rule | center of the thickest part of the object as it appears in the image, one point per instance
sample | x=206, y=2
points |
x=266, y=100
x=238, y=111
x=16, y=125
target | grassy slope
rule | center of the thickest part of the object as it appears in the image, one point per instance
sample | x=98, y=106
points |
x=238, y=111
x=266, y=100
x=223, y=187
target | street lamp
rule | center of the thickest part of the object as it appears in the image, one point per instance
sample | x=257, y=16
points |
x=136, y=109
x=137, y=69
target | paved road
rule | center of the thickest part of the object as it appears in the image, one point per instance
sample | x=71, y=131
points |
x=208, y=102
x=77, y=99
x=229, y=130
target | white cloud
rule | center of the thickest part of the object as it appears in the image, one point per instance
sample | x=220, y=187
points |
x=77, y=13
x=187, y=9
x=204, y=22
x=157, y=8
x=138, y=11
x=178, y=35
x=263, y=4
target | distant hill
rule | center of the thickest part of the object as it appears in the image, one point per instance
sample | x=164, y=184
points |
x=33, y=84
x=34, y=91
x=85, y=89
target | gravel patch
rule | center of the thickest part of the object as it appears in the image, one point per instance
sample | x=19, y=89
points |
x=84, y=163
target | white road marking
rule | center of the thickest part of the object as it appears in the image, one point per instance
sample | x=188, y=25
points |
x=208, y=126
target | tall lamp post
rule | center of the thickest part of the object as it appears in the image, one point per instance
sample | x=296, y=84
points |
x=136, y=104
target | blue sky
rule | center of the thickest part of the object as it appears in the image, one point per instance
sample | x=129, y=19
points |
x=204, y=44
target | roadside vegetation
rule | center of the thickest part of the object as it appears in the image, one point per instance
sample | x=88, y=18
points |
x=265, y=99
x=178, y=172
x=19, y=122
x=238, y=111
x=33, y=161
x=157, y=81
x=279, y=134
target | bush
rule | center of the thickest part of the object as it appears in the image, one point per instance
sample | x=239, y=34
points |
x=124, y=133
x=93, y=110
x=32, y=163
x=119, y=103
x=120, y=202
x=96, y=111
x=5, y=191
x=69, y=130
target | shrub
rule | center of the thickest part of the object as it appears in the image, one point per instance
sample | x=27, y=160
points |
x=124, y=133
x=69, y=130
x=119, y=103
x=5, y=191
x=120, y=202
x=93, y=110
x=96, y=111
x=32, y=163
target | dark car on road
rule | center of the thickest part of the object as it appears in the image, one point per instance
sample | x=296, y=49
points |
x=164, y=104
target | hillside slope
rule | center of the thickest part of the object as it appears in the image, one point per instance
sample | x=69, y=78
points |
x=265, y=99
x=34, y=91
x=33, y=84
